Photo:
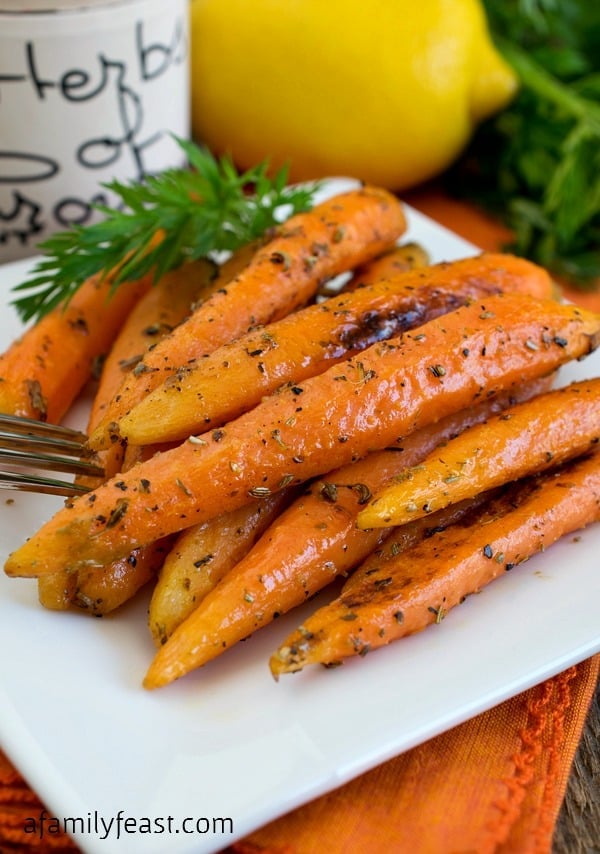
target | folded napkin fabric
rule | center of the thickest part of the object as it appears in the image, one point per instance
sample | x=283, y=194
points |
x=493, y=785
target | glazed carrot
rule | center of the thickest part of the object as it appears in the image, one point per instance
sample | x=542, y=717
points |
x=398, y=259
x=417, y=588
x=42, y=372
x=56, y=590
x=410, y=256
x=102, y=590
x=527, y=438
x=235, y=377
x=283, y=275
x=234, y=610
x=156, y=312
x=201, y=556
x=305, y=548
x=155, y=315
x=369, y=402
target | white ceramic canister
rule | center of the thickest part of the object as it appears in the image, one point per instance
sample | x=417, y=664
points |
x=90, y=91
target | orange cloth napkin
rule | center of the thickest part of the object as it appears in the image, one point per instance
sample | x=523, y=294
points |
x=493, y=785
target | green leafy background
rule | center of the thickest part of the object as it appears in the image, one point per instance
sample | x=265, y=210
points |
x=537, y=163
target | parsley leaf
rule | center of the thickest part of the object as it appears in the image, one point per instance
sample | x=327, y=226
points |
x=179, y=215
x=537, y=163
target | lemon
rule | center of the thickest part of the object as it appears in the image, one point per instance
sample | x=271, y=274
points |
x=387, y=91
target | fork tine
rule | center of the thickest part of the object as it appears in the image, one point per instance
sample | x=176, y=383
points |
x=49, y=462
x=32, y=483
x=27, y=441
x=35, y=445
x=29, y=426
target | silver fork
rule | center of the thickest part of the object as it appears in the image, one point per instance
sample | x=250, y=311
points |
x=28, y=447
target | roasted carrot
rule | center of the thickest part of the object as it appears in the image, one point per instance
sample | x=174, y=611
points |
x=283, y=275
x=235, y=377
x=410, y=256
x=529, y=437
x=56, y=590
x=156, y=312
x=42, y=372
x=369, y=402
x=201, y=556
x=306, y=547
x=417, y=588
x=398, y=259
x=234, y=610
x=102, y=590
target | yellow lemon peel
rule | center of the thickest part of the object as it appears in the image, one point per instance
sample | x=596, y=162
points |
x=389, y=92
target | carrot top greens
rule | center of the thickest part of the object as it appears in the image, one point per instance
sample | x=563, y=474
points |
x=536, y=163
x=196, y=212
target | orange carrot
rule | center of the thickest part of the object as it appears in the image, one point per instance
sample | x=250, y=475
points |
x=259, y=597
x=42, y=372
x=234, y=378
x=401, y=259
x=417, y=588
x=530, y=437
x=156, y=312
x=304, y=549
x=398, y=259
x=367, y=403
x=56, y=590
x=283, y=275
x=312, y=538
x=201, y=556
x=165, y=306
x=102, y=590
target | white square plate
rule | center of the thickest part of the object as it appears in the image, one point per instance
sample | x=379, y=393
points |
x=227, y=742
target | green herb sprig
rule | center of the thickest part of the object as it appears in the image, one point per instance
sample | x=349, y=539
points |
x=197, y=212
x=537, y=163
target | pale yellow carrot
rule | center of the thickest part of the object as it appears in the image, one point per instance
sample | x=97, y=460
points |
x=201, y=556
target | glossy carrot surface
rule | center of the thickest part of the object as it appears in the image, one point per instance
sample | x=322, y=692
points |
x=527, y=438
x=399, y=259
x=201, y=556
x=280, y=277
x=305, y=548
x=44, y=370
x=388, y=599
x=156, y=312
x=232, y=379
x=370, y=402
